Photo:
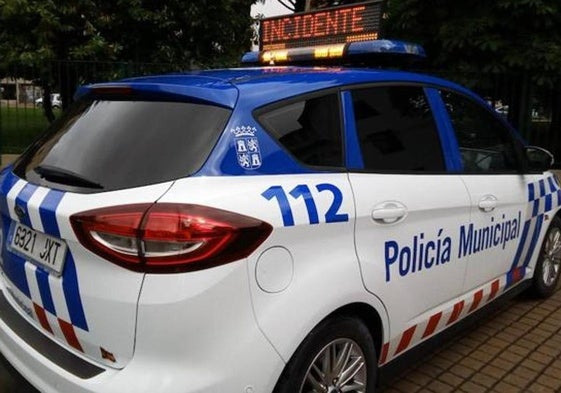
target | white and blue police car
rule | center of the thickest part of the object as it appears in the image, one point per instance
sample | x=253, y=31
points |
x=268, y=229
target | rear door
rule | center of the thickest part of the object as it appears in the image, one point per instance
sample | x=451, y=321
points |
x=408, y=211
x=103, y=153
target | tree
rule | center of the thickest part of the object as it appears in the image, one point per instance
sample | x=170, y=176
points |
x=294, y=5
x=182, y=34
x=477, y=35
x=506, y=49
x=310, y=5
x=516, y=40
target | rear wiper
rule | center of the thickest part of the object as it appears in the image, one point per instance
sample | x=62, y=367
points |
x=63, y=176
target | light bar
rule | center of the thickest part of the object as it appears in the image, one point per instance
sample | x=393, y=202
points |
x=385, y=46
x=360, y=50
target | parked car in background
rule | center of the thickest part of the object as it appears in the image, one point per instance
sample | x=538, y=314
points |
x=55, y=101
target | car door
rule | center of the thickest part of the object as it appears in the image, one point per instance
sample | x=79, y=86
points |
x=408, y=208
x=498, y=240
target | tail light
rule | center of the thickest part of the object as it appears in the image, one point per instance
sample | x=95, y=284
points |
x=168, y=237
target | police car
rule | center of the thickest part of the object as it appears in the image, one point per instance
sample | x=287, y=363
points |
x=286, y=229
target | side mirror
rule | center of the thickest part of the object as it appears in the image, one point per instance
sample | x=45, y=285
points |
x=539, y=159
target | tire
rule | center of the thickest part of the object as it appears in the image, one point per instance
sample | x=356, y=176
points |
x=350, y=341
x=548, y=266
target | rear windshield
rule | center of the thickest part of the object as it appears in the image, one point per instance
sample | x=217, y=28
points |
x=109, y=145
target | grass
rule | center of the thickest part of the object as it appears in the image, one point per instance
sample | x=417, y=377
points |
x=19, y=126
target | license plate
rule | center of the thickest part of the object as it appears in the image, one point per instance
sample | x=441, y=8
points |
x=38, y=247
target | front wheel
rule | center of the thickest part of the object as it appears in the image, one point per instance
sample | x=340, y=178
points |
x=548, y=266
x=337, y=356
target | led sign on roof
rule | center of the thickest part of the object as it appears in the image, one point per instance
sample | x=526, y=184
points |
x=357, y=22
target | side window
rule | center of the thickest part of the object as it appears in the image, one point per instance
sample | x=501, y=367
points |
x=396, y=130
x=486, y=145
x=309, y=129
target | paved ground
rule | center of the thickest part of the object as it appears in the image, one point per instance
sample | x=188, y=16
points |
x=515, y=348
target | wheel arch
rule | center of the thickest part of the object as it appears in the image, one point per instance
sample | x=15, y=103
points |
x=369, y=316
x=549, y=218
x=364, y=312
x=543, y=283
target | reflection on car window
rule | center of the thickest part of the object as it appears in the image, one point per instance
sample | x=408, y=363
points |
x=309, y=129
x=485, y=143
x=123, y=144
x=396, y=129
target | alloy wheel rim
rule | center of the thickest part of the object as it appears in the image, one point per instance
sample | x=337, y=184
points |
x=340, y=367
x=552, y=257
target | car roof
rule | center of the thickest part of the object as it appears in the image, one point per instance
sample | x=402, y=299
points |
x=263, y=85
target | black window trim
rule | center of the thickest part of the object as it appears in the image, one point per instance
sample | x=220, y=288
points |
x=523, y=167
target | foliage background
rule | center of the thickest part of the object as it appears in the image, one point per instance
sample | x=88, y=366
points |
x=37, y=35
x=507, y=49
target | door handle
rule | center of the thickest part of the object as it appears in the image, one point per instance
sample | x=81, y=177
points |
x=488, y=203
x=389, y=212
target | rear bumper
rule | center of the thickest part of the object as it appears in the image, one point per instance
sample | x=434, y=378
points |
x=40, y=343
x=196, y=333
x=40, y=371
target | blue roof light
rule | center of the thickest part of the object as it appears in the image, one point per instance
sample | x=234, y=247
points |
x=393, y=47
x=250, y=58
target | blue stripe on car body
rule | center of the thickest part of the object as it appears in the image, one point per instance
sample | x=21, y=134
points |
x=22, y=199
x=72, y=294
x=70, y=286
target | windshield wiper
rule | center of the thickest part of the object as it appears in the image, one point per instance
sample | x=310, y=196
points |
x=63, y=176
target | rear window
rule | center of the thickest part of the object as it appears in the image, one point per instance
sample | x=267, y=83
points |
x=109, y=145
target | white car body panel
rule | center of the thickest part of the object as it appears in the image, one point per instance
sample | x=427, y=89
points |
x=390, y=253
x=325, y=273
x=509, y=194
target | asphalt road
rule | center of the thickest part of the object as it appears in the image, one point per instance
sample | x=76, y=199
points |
x=11, y=381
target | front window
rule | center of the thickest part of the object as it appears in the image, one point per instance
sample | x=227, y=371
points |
x=486, y=145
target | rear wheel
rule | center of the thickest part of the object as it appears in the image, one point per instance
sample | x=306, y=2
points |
x=337, y=356
x=548, y=267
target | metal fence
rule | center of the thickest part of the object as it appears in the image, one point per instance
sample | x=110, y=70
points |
x=22, y=115
x=532, y=106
